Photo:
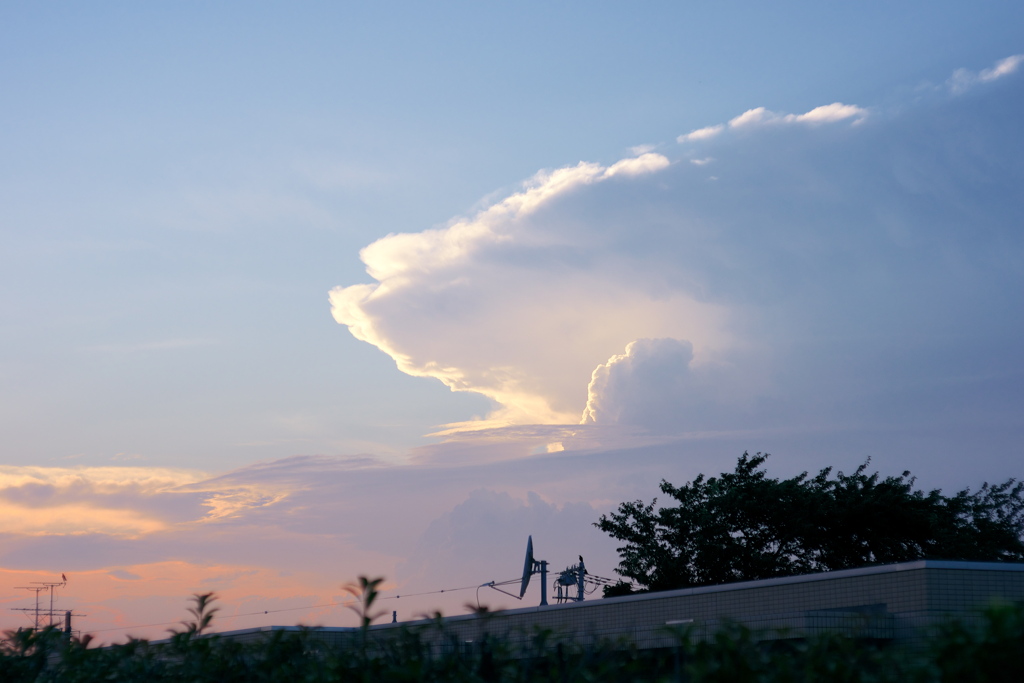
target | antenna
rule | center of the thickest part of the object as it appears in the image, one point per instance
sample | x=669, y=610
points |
x=531, y=567
x=50, y=585
x=527, y=567
x=575, y=576
x=38, y=587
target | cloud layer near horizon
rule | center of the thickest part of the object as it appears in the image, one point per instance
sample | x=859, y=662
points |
x=296, y=531
x=829, y=266
x=301, y=527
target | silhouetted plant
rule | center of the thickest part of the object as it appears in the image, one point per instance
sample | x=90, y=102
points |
x=202, y=614
x=994, y=652
x=365, y=592
x=986, y=649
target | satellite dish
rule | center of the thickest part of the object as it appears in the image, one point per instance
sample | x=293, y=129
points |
x=527, y=567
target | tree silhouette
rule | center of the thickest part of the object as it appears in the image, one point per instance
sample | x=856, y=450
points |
x=744, y=525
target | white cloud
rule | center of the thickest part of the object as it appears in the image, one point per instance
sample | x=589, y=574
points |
x=1003, y=67
x=656, y=385
x=759, y=116
x=752, y=117
x=641, y=165
x=828, y=113
x=645, y=382
x=705, y=133
x=477, y=304
x=963, y=80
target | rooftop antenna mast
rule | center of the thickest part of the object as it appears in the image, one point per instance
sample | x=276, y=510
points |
x=575, y=577
x=38, y=587
x=571, y=577
x=51, y=585
x=38, y=590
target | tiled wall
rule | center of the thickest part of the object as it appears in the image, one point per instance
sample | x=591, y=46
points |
x=884, y=604
x=898, y=602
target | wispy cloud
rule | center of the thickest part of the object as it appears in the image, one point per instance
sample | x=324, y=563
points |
x=705, y=133
x=963, y=80
x=760, y=116
x=121, y=501
x=641, y=165
x=341, y=517
x=828, y=113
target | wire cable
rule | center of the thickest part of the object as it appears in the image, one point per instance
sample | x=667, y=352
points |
x=344, y=603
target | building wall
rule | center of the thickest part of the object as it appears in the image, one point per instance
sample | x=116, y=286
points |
x=891, y=602
x=898, y=602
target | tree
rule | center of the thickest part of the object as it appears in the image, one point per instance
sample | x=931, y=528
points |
x=744, y=525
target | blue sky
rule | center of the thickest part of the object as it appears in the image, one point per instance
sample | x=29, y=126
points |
x=190, y=197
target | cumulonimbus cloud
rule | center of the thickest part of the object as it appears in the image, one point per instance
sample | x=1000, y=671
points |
x=819, y=240
x=489, y=303
x=634, y=387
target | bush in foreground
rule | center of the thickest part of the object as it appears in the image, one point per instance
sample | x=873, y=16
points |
x=992, y=651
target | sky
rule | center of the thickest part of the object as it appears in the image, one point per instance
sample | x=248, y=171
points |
x=295, y=293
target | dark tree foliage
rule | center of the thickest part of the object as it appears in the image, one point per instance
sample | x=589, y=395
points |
x=744, y=525
x=985, y=649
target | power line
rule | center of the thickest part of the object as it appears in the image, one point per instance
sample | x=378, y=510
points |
x=345, y=603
